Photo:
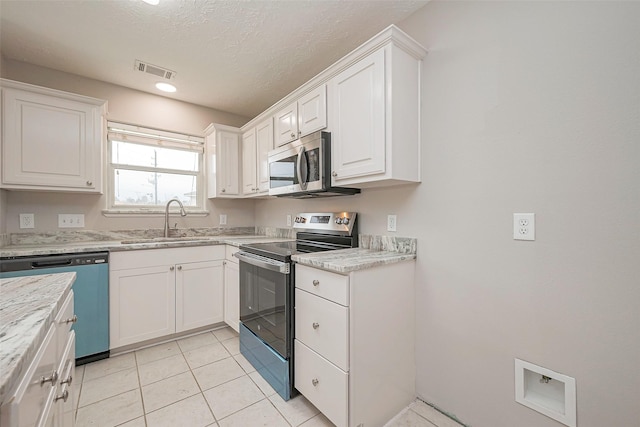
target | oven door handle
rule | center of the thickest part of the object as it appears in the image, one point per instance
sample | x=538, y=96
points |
x=262, y=262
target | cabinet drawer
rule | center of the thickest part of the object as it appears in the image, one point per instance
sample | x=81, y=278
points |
x=24, y=406
x=323, y=326
x=325, y=284
x=322, y=383
x=64, y=321
x=230, y=250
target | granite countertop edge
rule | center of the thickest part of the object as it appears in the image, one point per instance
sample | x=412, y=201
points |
x=345, y=261
x=141, y=244
x=25, y=321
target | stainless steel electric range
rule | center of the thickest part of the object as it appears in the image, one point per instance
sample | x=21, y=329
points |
x=267, y=280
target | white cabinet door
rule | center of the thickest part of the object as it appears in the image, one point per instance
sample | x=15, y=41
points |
x=358, y=119
x=232, y=295
x=264, y=142
x=312, y=111
x=249, y=162
x=141, y=304
x=223, y=161
x=199, y=294
x=50, y=142
x=286, y=124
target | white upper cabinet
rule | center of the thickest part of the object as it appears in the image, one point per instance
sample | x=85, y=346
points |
x=357, y=118
x=256, y=144
x=223, y=161
x=312, y=111
x=264, y=144
x=51, y=140
x=375, y=120
x=249, y=162
x=302, y=117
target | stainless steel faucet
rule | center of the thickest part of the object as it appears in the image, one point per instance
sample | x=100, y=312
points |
x=166, y=215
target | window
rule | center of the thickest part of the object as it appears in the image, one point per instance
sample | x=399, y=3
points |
x=148, y=167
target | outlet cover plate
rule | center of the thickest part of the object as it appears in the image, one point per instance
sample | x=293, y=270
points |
x=27, y=220
x=223, y=219
x=524, y=226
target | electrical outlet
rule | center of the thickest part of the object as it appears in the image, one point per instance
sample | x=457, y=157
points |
x=223, y=219
x=391, y=222
x=70, y=220
x=288, y=220
x=27, y=221
x=524, y=226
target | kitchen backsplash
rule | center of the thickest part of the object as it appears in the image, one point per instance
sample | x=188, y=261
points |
x=284, y=233
x=403, y=245
x=61, y=237
x=4, y=240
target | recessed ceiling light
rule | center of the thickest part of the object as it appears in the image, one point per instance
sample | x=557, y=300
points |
x=152, y=2
x=166, y=87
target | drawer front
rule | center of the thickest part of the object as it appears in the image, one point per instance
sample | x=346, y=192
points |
x=229, y=251
x=24, y=407
x=64, y=321
x=323, y=326
x=322, y=383
x=332, y=286
x=69, y=384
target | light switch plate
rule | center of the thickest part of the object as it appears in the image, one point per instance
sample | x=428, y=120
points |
x=223, y=219
x=392, y=221
x=70, y=220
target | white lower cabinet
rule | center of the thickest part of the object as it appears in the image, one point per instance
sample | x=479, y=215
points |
x=232, y=289
x=159, y=292
x=354, y=346
x=197, y=285
x=45, y=394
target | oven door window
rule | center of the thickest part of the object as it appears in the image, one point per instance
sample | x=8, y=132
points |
x=264, y=305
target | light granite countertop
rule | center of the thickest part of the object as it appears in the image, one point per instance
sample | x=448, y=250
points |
x=28, y=305
x=347, y=260
x=132, y=244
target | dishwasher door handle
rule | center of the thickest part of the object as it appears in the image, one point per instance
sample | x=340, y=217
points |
x=49, y=264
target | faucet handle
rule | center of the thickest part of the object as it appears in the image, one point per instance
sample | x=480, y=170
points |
x=175, y=226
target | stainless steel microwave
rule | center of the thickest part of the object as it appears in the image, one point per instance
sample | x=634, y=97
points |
x=302, y=169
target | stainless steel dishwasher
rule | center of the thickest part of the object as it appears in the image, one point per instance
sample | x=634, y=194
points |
x=91, y=295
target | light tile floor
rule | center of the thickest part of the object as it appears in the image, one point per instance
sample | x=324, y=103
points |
x=200, y=381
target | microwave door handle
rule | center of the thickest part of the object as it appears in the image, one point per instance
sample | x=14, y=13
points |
x=302, y=177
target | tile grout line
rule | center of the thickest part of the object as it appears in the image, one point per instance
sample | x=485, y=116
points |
x=144, y=414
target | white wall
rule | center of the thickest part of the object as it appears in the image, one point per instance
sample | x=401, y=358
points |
x=128, y=106
x=528, y=107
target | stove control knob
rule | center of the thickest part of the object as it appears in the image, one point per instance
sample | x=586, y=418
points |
x=338, y=220
x=345, y=221
x=297, y=220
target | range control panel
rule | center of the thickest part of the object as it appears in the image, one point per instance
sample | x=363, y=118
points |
x=342, y=222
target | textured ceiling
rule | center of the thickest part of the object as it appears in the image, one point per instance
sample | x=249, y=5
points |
x=235, y=56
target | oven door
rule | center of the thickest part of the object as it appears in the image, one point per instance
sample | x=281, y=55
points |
x=265, y=300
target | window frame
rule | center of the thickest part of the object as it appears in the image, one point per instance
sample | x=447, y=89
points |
x=156, y=138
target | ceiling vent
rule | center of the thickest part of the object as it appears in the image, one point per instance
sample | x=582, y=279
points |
x=154, y=70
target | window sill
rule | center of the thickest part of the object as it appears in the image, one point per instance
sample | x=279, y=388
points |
x=149, y=213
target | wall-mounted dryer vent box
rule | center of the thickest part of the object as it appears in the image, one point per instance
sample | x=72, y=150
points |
x=548, y=392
